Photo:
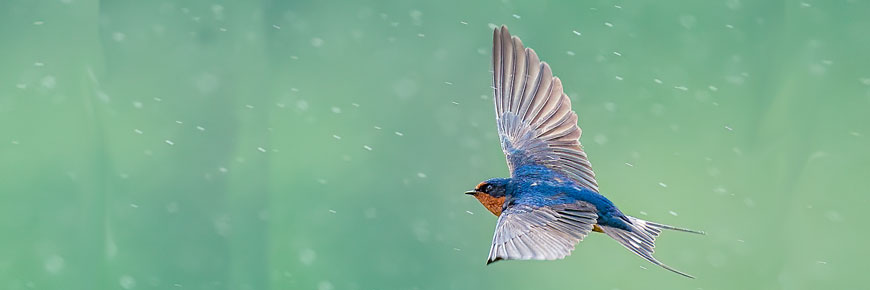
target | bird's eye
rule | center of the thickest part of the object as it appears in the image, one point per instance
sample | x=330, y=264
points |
x=488, y=188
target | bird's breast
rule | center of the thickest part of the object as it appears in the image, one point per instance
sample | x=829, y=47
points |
x=493, y=204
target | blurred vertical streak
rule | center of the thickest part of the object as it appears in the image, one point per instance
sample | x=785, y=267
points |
x=248, y=185
x=768, y=146
x=95, y=224
x=55, y=184
x=93, y=251
x=779, y=146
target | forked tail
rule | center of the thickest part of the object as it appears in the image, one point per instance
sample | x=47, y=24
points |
x=641, y=240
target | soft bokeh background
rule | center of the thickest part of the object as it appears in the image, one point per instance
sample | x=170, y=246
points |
x=326, y=145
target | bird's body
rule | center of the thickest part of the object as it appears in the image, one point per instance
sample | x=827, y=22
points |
x=551, y=201
x=540, y=186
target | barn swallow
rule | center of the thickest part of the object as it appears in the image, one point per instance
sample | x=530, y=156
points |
x=551, y=200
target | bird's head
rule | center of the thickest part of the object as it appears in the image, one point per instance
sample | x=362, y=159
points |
x=491, y=194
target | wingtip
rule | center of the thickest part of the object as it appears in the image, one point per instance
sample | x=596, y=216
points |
x=502, y=31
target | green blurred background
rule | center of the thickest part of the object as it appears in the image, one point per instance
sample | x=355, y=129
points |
x=326, y=145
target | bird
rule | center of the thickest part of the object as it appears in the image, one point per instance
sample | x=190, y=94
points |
x=551, y=200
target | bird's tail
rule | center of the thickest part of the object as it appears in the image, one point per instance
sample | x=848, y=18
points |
x=642, y=237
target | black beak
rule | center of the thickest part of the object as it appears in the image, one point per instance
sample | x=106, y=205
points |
x=471, y=192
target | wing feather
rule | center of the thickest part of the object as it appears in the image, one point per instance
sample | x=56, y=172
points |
x=535, y=121
x=529, y=232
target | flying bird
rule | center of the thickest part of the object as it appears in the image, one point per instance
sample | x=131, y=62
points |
x=551, y=200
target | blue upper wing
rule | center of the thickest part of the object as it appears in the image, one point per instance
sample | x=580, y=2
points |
x=535, y=122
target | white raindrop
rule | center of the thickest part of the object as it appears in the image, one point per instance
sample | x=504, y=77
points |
x=302, y=105
x=172, y=207
x=316, y=42
x=370, y=213
x=324, y=285
x=119, y=36
x=127, y=282
x=307, y=257
x=48, y=82
x=54, y=264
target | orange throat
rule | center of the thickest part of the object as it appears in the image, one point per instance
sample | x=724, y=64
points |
x=493, y=204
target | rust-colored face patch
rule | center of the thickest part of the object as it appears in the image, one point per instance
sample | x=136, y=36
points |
x=493, y=204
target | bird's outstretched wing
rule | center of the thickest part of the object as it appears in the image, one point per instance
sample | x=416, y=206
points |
x=531, y=232
x=535, y=122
